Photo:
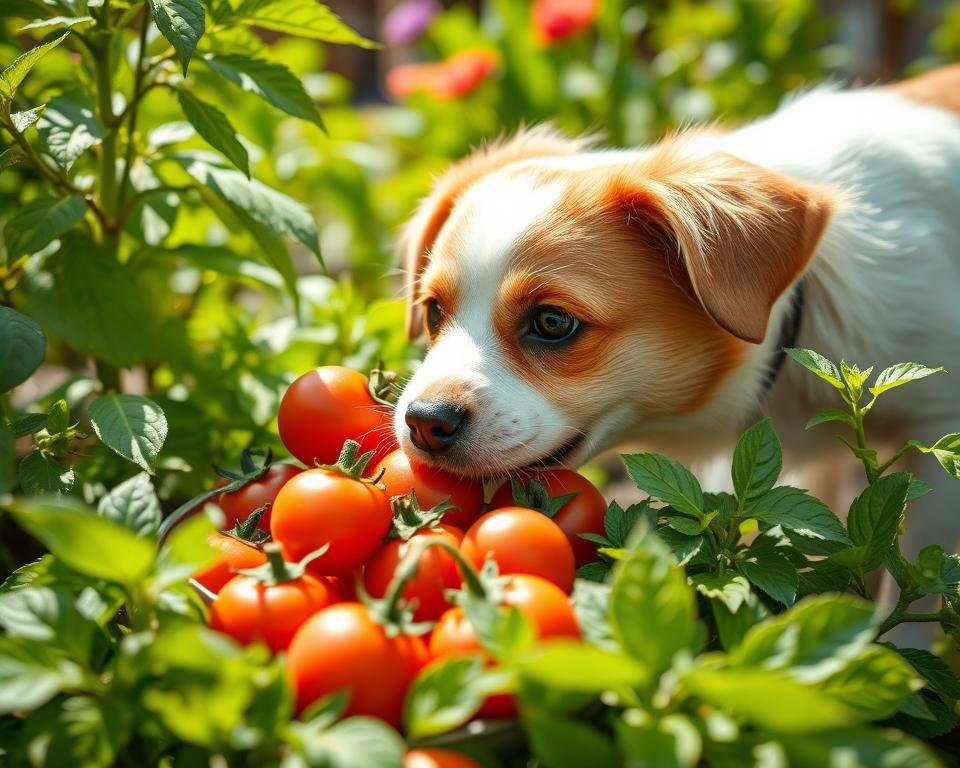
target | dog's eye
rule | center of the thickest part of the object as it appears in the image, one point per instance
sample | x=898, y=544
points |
x=434, y=316
x=552, y=324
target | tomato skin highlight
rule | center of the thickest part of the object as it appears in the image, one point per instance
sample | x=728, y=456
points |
x=521, y=541
x=327, y=406
x=343, y=647
x=248, y=610
x=437, y=571
x=238, y=505
x=541, y=601
x=433, y=486
x=236, y=555
x=582, y=514
x=437, y=758
x=318, y=507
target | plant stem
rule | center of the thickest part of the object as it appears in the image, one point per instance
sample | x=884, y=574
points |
x=894, y=459
x=133, y=110
x=872, y=473
x=108, y=148
x=900, y=615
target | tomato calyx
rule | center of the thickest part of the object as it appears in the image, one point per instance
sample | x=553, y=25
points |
x=383, y=385
x=248, y=530
x=536, y=496
x=350, y=464
x=409, y=517
x=277, y=570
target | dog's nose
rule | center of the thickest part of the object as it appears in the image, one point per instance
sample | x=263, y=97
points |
x=434, y=424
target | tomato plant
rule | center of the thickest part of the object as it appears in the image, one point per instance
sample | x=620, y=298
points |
x=237, y=555
x=238, y=505
x=521, y=541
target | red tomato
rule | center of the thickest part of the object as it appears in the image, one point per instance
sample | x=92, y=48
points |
x=556, y=20
x=400, y=475
x=342, y=647
x=318, y=507
x=437, y=571
x=327, y=406
x=539, y=600
x=249, y=610
x=236, y=555
x=521, y=541
x=237, y=505
x=437, y=758
x=582, y=514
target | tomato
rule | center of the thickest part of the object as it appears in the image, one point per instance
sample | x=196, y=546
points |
x=582, y=514
x=237, y=555
x=327, y=406
x=541, y=601
x=437, y=571
x=400, y=475
x=237, y=505
x=249, y=610
x=437, y=758
x=521, y=541
x=319, y=507
x=343, y=648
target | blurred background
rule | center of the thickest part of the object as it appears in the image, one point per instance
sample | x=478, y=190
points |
x=196, y=316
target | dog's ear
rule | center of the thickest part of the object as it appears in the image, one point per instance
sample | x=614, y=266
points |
x=744, y=233
x=422, y=230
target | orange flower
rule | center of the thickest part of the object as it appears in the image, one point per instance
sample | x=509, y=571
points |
x=557, y=20
x=449, y=79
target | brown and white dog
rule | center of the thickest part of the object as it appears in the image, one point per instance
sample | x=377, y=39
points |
x=578, y=299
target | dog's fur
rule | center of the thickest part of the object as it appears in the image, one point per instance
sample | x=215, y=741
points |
x=679, y=259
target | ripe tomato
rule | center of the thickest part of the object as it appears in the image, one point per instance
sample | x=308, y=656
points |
x=249, y=610
x=238, y=505
x=521, y=541
x=236, y=555
x=539, y=600
x=400, y=475
x=582, y=514
x=342, y=647
x=325, y=407
x=437, y=571
x=437, y=758
x=318, y=507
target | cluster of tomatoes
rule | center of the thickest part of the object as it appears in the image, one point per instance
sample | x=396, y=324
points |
x=327, y=577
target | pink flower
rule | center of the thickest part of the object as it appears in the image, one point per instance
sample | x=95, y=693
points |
x=449, y=79
x=557, y=20
x=407, y=20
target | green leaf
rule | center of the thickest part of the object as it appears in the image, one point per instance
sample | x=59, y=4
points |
x=85, y=541
x=357, y=742
x=502, y=630
x=182, y=22
x=794, y=509
x=215, y=128
x=22, y=347
x=445, y=695
x=132, y=425
x=926, y=716
x=884, y=748
x=13, y=74
x=812, y=640
x=303, y=18
x=874, y=684
x=560, y=742
x=757, y=461
x=671, y=742
x=728, y=587
x=666, y=480
x=186, y=550
x=7, y=460
x=618, y=522
x=41, y=220
x=830, y=414
x=652, y=609
x=58, y=417
x=266, y=206
x=572, y=666
x=31, y=674
x=23, y=120
x=900, y=374
x=854, y=378
x=10, y=157
x=874, y=519
x=133, y=504
x=41, y=474
x=686, y=525
x=947, y=451
x=75, y=731
x=218, y=259
x=56, y=22
x=934, y=670
x=272, y=82
x=591, y=601
x=770, y=571
x=818, y=365
x=733, y=627
x=936, y=572
x=69, y=127
x=684, y=547
x=47, y=616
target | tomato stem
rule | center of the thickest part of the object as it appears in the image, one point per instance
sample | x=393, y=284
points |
x=278, y=566
x=351, y=463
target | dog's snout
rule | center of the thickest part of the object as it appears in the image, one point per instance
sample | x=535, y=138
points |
x=434, y=425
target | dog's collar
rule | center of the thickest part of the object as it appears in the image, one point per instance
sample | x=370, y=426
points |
x=789, y=331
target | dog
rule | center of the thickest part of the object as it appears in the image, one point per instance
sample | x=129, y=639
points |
x=578, y=299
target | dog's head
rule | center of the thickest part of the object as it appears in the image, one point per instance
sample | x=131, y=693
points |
x=572, y=300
